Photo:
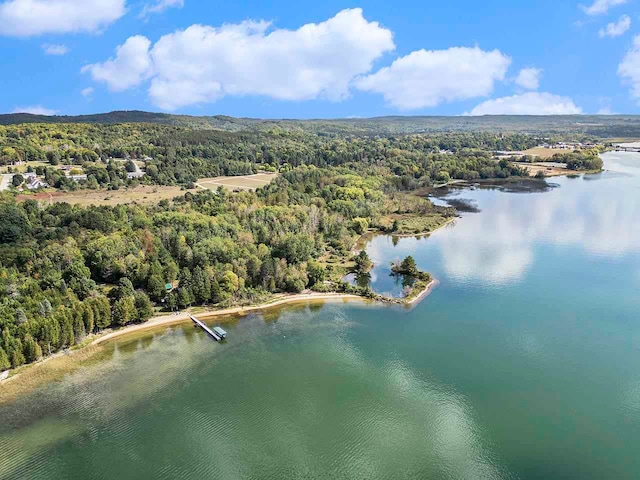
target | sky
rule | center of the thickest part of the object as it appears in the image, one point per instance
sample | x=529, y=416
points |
x=329, y=59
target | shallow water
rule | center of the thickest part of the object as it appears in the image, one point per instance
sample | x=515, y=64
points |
x=522, y=363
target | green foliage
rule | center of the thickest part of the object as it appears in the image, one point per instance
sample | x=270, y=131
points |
x=69, y=271
x=17, y=180
x=363, y=262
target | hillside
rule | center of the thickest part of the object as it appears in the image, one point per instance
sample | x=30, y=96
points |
x=594, y=125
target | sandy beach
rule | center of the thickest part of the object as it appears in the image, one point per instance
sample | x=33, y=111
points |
x=170, y=319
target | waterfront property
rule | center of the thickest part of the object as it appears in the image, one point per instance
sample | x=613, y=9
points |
x=217, y=333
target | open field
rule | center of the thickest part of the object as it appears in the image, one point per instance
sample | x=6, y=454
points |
x=549, y=169
x=143, y=194
x=146, y=194
x=245, y=182
x=23, y=168
x=543, y=152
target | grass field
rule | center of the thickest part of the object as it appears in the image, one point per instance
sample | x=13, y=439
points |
x=543, y=152
x=246, y=182
x=23, y=168
x=145, y=194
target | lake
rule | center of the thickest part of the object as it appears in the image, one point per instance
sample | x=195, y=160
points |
x=524, y=363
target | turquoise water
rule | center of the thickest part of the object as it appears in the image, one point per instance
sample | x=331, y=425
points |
x=524, y=363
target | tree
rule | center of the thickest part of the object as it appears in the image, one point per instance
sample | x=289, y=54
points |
x=408, y=266
x=363, y=262
x=156, y=288
x=31, y=349
x=21, y=317
x=360, y=225
x=45, y=308
x=124, y=311
x=5, y=364
x=184, y=297
x=315, y=272
x=88, y=318
x=143, y=305
x=201, y=285
x=17, y=180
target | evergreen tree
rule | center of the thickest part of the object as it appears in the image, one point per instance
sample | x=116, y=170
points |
x=5, y=364
x=144, y=309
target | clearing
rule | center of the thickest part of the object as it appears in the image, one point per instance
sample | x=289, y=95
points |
x=146, y=194
x=544, y=152
x=244, y=182
x=550, y=169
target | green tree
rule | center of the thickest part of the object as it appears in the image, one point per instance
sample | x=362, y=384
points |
x=363, y=262
x=17, y=180
x=156, y=288
x=5, y=364
x=124, y=311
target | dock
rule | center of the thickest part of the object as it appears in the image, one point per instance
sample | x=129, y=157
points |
x=217, y=337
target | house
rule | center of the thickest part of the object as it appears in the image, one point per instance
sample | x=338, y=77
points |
x=136, y=174
x=33, y=182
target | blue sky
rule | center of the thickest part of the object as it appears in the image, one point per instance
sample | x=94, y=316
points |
x=284, y=59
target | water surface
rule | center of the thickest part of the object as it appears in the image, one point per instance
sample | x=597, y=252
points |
x=522, y=364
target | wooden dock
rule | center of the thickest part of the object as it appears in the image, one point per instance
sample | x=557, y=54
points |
x=210, y=332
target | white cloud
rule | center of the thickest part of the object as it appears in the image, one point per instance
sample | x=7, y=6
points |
x=427, y=78
x=53, y=49
x=600, y=7
x=87, y=92
x=529, y=78
x=605, y=107
x=615, y=29
x=35, y=110
x=629, y=68
x=531, y=103
x=160, y=6
x=131, y=66
x=203, y=64
x=26, y=18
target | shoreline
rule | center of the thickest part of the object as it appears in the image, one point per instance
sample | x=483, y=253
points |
x=365, y=237
x=426, y=291
x=164, y=321
x=423, y=234
x=168, y=320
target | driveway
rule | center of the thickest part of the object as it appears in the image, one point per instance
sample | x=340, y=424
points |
x=5, y=181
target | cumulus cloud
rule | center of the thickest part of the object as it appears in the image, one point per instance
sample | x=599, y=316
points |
x=616, y=29
x=26, y=18
x=531, y=103
x=529, y=78
x=52, y=49
x=601, y=7
x=427, y=78
x=160, y=6
x=35, y=110
x=203, y=64
x=130, y=67
x=629, y=68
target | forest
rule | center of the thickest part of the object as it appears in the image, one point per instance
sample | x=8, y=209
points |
x=69, y=271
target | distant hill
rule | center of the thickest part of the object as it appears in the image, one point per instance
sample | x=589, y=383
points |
x=597, y=125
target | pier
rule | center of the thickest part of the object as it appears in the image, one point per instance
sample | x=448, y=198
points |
x=213, y=334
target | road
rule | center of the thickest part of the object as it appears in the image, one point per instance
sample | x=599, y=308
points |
x=5, y=181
